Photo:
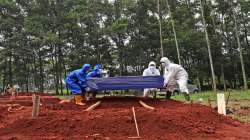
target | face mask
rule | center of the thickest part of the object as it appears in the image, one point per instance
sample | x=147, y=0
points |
x=151, y=67
x=88, y=70
x=163, y=64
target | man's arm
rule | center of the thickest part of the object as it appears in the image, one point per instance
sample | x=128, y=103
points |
x=144, y=72
x=168, y=75
x=158, y=72
x=90, y=74
x=81, y=77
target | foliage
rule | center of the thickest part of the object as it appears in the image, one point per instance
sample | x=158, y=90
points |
x=42, y=40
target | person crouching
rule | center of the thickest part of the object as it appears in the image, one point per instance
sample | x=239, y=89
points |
x=76, y=82
x=174, y=75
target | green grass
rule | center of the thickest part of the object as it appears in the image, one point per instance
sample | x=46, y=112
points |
x=62, y=96
x=242, y=118
x=235, y=95
x=65, y=92
x=205, y=95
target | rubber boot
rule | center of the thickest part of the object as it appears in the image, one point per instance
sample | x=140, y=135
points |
x=93, y=96
x=187, y=96
x=154, y=94
x=78, y=100
x=168, y=95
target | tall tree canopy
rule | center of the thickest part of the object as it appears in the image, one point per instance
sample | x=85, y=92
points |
x=42, y=40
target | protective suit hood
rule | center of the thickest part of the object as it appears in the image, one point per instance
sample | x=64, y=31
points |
x=85, y=67
x=165, y=61
x=97, y=67
x=152, y=64
x=96, y=72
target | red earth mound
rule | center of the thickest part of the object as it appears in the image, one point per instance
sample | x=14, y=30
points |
x=113, y=120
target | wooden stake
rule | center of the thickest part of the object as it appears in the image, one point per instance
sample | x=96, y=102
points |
x=92, y=107
x=33, y=98
x=134, y=137
x=146, y=106
x=136, y=125
x=36, y=103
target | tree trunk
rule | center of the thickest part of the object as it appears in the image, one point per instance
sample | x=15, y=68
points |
x=41, y=79
x=201, y=83
x=160, y=28
x=245, y=29
x=198, y=82
x=223, y=77
x=60, y=61
x=4, y=75
x=65, y=75
x=65, y=71
x=10, y=80
x=240, y=51
x=121, y=49
x=175, y=37
x=56, y=70
x=54, y=67
x=36, y=78
x=209, y=49
x=27, y=78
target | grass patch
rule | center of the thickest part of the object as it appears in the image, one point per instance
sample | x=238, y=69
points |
x=235, y=95
x=242, y=118
x=62, y=96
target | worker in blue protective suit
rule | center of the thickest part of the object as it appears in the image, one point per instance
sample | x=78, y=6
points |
x=76, y=82
x=96, y=73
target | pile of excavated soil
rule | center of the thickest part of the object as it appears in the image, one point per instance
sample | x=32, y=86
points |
x=113, y=120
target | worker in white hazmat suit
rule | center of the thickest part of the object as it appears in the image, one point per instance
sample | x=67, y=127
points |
x=150, y=71
x=174, y=75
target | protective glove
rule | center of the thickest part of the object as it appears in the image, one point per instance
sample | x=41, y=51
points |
x=87, y=89
x=165, y=85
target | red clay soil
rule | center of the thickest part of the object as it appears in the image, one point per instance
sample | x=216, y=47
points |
x=113, y=120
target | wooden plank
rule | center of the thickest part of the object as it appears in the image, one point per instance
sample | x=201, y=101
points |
x=221, y=103
x=92, y=107
x=136, y=124
x=146, y=106
x=134, y=137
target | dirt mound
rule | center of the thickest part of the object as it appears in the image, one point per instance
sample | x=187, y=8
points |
x=113, y=119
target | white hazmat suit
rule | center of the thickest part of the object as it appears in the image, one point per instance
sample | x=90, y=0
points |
x=150, y=71
x=174, y=74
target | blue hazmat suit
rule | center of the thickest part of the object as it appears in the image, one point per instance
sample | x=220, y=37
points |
x=96, y=72
x=76, y=80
